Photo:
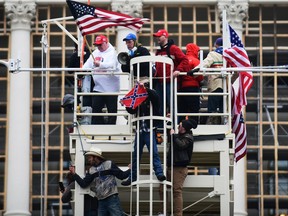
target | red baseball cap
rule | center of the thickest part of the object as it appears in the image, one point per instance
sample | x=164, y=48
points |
x=161, y=32
x=100, y=39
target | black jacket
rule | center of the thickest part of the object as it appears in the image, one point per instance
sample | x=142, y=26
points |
x=182, y=149
x=144, y=67
x=74, y=61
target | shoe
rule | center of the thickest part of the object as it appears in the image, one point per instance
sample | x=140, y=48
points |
x=161, y=178
x=126, y=183
x=160, y=214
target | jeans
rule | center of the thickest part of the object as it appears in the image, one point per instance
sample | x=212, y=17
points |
x=144, y=139
x=213, y=171
x=110, y=206
x=87, y=85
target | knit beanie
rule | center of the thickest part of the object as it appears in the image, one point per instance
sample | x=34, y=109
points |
x=188, y=124
x=219, y=42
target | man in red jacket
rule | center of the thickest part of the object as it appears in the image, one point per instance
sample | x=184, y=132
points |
x=181, y=64
x=187, y=84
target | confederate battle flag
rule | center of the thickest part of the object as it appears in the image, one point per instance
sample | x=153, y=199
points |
x=135, y=97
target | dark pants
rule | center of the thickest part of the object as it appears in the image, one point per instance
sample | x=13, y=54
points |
x=98, y=103
x=189, y=104
x=215, y=102
x=160, y=91
x=90, y=205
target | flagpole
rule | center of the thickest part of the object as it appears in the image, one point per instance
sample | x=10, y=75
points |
x=240, y=186
x=225, y=80
x=83, y=47
x=90, y=50
x=239, y=167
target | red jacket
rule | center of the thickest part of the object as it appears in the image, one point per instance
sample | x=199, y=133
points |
x=180, y=61
x=192, y=55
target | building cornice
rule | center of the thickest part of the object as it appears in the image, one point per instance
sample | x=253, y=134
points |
x=202, y=2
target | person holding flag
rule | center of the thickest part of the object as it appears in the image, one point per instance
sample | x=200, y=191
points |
x=89, y=20
x=103, y=59
x=138, y=101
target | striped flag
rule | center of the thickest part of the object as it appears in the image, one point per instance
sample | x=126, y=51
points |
x=135, y=96
x=91, y=20
x=236, y=56
x=239, y=129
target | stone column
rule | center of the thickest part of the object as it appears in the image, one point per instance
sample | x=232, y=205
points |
x=20, y=13
x=132, y=8
x=236, y=12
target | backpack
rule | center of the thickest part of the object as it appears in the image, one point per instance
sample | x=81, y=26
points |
x=170, y=43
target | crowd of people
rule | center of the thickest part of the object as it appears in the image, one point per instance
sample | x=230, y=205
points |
x=104, y=59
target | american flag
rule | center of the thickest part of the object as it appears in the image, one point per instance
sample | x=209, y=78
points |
x=135, y=96
x=239, y=129
x=236, y=56
x=91, y=20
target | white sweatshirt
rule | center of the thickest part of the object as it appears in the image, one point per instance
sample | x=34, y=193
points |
x=109, y=82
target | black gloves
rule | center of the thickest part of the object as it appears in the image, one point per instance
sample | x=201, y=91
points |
x=190, y=73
